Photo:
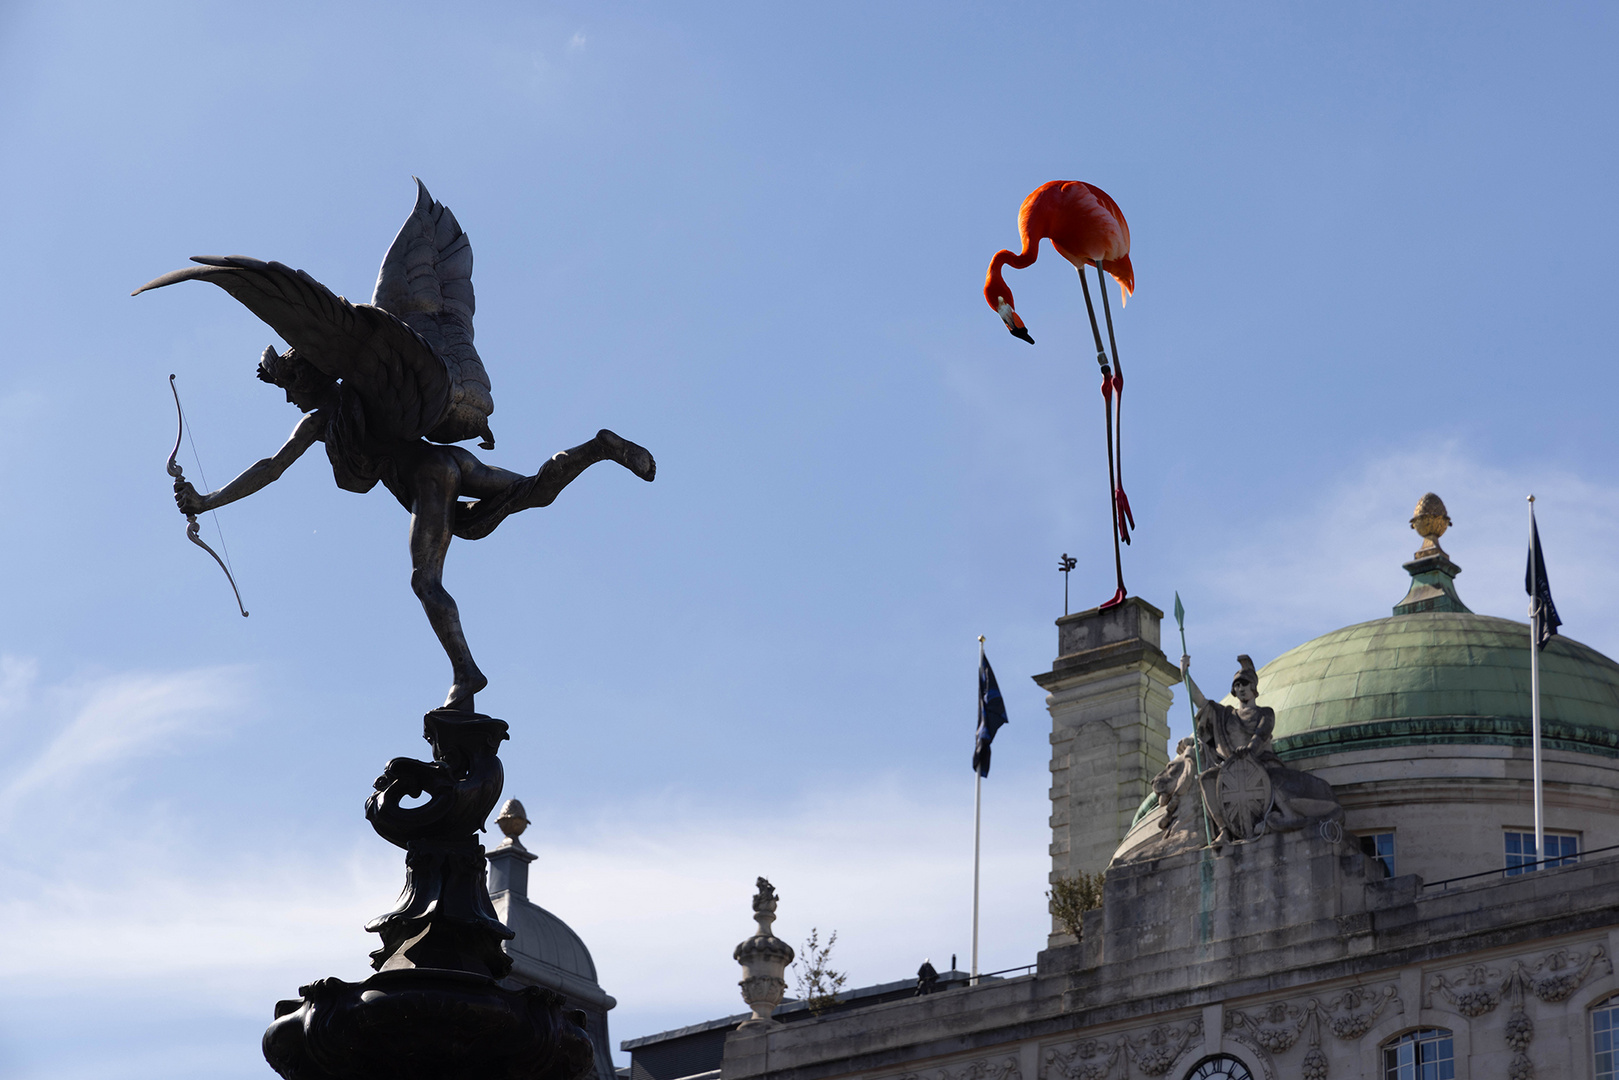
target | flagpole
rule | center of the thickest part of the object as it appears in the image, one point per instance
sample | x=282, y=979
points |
x=1534, y=693
x=978, y=803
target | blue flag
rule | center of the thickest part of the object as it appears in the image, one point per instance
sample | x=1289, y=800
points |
x=1539, y=589
x=991, y=715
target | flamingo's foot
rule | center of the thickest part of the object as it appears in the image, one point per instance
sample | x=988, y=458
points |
x=1118, y=598
x=1121, y=510
x=637, y=459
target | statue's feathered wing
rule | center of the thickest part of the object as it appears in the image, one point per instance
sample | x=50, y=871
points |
x=426, y=280
x=408, y=355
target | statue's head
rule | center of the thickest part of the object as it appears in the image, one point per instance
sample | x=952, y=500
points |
x=306, y=386
x=1245, y=683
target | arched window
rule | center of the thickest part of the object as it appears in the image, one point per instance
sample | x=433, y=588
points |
x=1420, y=1055
x=1605, y=1039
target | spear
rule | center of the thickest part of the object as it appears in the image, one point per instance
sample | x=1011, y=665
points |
x=1197, y=756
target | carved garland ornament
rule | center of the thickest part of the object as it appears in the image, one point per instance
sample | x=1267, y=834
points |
x=1089, y=1060
x=1000, y=1068
x=1475, y=990
x=1162, y=1046
x=1279, y=1025
x=1153, y=1052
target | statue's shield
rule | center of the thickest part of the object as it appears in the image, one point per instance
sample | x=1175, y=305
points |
x=1245, y=796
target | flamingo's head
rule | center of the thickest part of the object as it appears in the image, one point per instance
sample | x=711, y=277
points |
x=1013, y=322
x=999, y=297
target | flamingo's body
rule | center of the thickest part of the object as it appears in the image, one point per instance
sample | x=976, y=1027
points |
x=1087, y=228
x=1082, y=222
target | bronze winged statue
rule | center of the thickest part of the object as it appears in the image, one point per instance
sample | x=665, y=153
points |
x=389, y=387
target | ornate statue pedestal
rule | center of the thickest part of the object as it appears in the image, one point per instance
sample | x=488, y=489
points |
x=434, y=1010
x=425, y=1024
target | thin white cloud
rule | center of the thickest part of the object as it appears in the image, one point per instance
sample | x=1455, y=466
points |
x=1333, y=557
x=107, y=721
x=230, y=931
x=577, y=42
x=659, y=890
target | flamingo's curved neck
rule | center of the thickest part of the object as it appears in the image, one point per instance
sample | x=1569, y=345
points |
x=1016, y=260
x=1019, y=260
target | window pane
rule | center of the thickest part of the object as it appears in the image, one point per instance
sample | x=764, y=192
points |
x=1519, y=847
x=1520, y=850
x=1420, y=1055
x=1604, y=1028
x=1380, y=846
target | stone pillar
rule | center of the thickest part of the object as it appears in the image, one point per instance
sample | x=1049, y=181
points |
x=1108, y=693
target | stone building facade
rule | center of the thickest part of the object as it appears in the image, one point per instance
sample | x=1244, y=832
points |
x=1394, y=929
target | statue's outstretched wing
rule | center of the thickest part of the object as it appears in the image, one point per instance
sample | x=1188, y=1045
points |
x=404, y=385
x=426, y=280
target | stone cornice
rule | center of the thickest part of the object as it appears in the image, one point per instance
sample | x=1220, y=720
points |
x=1473, y=730
x=1129, y=655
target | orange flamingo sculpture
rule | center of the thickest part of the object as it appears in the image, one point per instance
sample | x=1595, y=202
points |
x=1086, y=227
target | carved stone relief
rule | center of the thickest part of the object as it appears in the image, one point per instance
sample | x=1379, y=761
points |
x=1279, y=1025
x=1473, y=991
x=1091, y=1059
x=1477, y=989
x=1153, y=1051
x=1000, y=1067
x=1156, y=1051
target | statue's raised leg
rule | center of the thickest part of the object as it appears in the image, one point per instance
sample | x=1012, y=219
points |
x=473, y=521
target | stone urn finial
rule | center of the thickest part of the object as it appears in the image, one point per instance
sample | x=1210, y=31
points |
x=1430, y=521
x=764, y=958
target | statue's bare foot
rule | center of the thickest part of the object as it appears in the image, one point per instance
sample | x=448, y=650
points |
x=637, y=459
x=467, y=683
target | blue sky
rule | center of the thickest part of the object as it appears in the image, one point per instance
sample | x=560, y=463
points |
x=1373, y=251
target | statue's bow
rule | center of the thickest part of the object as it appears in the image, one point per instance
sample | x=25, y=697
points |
x=193, y=530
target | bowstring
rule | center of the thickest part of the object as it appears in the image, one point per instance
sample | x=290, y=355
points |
x=202, y=474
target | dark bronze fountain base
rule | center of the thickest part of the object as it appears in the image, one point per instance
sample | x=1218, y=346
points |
x=433, y=1010
x=425, y=1024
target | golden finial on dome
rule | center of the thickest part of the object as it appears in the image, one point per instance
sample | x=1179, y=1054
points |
x=512, y=822
x=1430, y=521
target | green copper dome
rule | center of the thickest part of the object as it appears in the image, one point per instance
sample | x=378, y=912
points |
x=1435, y=672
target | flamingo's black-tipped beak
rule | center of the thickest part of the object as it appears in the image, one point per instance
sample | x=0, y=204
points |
x=1021, y=332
